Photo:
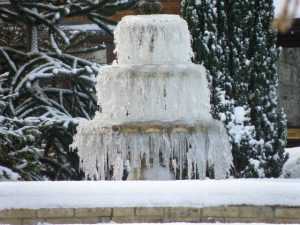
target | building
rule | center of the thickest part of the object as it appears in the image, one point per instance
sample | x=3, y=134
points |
x=289, y=84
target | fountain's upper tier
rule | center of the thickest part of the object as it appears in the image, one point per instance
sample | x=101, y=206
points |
x=153, y=39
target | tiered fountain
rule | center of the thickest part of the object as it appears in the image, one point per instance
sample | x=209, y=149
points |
x=154, y=120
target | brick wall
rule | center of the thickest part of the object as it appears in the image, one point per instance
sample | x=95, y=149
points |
x=264, y=214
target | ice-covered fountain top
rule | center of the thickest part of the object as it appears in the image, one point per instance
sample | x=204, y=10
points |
x=153, y=39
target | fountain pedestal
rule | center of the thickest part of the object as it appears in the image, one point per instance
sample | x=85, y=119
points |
x=155, y=120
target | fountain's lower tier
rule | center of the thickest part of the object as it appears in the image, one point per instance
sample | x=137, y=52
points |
x=152, y=150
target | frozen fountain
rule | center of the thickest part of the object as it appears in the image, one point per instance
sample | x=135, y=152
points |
x=154, y=120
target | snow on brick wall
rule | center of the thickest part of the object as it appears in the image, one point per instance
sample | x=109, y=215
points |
x=207, y=193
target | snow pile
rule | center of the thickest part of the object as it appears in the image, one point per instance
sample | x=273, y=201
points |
x=189, y=193
x=153, y=39
x=7, y=174
x=291, y=168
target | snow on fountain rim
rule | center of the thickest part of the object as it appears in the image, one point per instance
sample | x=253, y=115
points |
x=99, y=125
x=158, y=67
x=188, y=193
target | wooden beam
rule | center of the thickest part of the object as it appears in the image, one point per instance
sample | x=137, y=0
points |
x=168, y=7
x=294, y=134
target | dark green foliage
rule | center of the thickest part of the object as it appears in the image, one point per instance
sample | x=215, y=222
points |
x=268, y=119
x=233, y=39
x=19, y=149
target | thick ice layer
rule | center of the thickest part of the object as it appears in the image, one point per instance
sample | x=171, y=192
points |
x=106, y=153
x=153, y=39
x=153, y=93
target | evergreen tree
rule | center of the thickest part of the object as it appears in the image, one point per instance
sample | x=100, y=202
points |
x=225, y=39
x=268, y=119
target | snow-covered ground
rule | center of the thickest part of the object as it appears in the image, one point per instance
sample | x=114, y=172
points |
x=197, y=193
x=291, y=168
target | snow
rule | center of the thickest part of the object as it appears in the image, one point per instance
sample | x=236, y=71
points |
x=8, y=174
x=278, y=4
x=240, y=115
x=82, y=27
x=206, y=193
x=237, y=128
x=291, y=168
x=153, y=39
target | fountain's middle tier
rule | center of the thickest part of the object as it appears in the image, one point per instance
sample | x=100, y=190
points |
x=157, y=93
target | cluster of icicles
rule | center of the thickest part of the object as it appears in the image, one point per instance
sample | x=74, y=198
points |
x=107, y=153
x=154, y=110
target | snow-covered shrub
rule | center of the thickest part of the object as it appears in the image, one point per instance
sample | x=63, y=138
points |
x=43, y=89
x=49, y=92
x=20, y=144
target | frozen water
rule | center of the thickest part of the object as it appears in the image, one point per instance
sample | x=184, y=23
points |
x=153, y=39
x=153, y=93
x=154, y=109
x=187, y=153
